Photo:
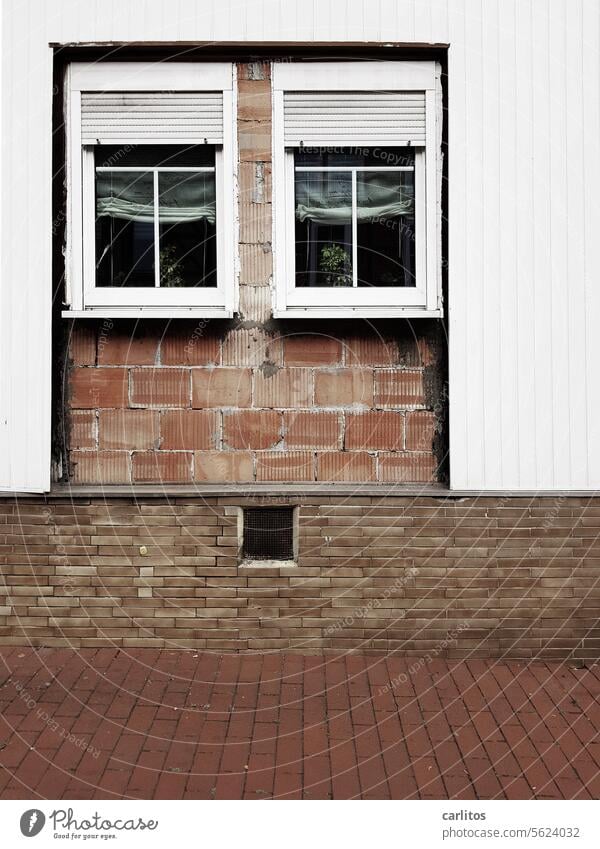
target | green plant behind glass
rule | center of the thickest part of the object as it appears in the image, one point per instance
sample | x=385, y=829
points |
x=336, y=265
x=170, y=268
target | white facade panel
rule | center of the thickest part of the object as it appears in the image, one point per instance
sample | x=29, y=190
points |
x=524, y=216
x=25, y=257
x=522, y=172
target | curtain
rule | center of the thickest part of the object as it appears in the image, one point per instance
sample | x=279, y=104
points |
x=326, y=197
x=129, y=196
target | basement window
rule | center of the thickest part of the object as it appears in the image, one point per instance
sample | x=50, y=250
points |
x=268, y=534
x=150, y=165
x=357, y=189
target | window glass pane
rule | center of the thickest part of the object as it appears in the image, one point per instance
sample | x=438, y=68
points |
x=323, y=228
x=124, y=228
x=373, y=157
x=385, y=212
x=188, y=234
x=152, y=155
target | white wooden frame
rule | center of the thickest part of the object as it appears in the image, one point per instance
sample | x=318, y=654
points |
x=322, y=302
x=83, y=296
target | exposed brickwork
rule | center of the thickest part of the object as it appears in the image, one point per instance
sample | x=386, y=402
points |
x=379, y=430
x=136, y=349
x=160, y=387
x=128, y=429
x=223, y=387
x=82, y=345
x=303, y=350
x=420, y=431
x=313, y=429
x=83, y=429
x=102, y=467
x=350, y=401
x=91, y=388
x=223, y=466
x=167, y=466
x=195, y=348
x=253, y=398
x=349, y=466
x=184, y=429
x=344, y=387
x=405, y=466
x=288, y=387
x=252, y=429
x=488, y=576
x=285, y=466
x=396, y=388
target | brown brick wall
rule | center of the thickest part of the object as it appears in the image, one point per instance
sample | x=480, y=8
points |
x=513, y=577
x=253, y=399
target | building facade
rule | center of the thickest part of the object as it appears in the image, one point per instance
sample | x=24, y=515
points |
x=298, y=315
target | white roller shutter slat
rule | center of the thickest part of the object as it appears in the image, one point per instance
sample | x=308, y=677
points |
x=134, y=116
x=315, y=118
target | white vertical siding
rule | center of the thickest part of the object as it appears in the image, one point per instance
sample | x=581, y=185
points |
x=590, y=66
x=541, y=388
x=524, y=292
x=524, y=171
x=25, y=278
x=4, y=348
x=524, y=149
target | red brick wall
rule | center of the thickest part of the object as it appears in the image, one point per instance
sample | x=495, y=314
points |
x=253, y=399
x=515, y=577
x=242, y=405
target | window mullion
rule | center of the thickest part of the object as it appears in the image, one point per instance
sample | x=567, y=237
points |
x=156, y=233
x=354, y=232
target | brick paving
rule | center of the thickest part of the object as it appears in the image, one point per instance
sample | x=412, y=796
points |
x=108, y=723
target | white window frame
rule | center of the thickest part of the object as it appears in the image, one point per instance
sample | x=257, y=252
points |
x=425, y=299
x=83, y=297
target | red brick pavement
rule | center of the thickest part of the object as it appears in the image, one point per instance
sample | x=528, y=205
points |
x=111, y=723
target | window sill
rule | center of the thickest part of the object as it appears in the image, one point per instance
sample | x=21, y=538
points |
x=149, y=312
x=357, y=312
x=253, y=565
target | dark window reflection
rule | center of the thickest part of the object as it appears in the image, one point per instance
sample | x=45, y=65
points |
x=188, y=235
x=323, y=228
x=128, y=219
x=124, y=229
x=382, y=213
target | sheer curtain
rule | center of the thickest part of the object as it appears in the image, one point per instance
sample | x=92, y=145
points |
x=329, y=201
x=128, y=197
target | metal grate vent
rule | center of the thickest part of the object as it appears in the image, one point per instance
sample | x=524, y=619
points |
x=269, y=533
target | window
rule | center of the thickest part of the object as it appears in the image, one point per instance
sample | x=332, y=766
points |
x=355, y=217
x=155, y=212
x=151, y=175
x=357, y=176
